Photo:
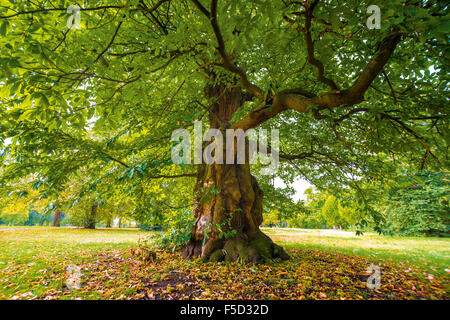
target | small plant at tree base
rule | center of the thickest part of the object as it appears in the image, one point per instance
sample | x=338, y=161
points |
x=143, y=252
x=178, y=231
x=226, y=225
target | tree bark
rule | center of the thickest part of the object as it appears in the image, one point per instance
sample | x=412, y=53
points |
x=228, y=212
x=228, y=202
x=57, y=219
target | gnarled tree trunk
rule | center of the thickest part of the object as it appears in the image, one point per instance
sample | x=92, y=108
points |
x=236, y=206
x=228, y=201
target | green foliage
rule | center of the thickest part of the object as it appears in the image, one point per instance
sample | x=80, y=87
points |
x=178, y=227
x=330, y=212
x=147, y=227
x=37, y=219
x=409, y=204
x=81, y=218
x=225, y=229
x=307, y=221
x=206, y=233
x=32, y=218
x=14, y=219
x=419, y=205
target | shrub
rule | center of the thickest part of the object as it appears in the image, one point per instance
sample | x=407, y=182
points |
x=178, y=228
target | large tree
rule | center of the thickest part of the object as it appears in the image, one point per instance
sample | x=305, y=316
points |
x=349, y=101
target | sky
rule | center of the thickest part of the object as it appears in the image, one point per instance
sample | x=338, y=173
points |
x=299, y=185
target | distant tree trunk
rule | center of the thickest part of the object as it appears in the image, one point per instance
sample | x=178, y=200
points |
x=120, y=222
x=57, y=219
x=228, y=202
x=92, y=218
x=109, y=222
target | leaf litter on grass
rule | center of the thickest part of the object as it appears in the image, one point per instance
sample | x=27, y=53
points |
x=309, y=274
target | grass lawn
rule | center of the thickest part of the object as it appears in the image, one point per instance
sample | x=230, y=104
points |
x=324, y=264
x=430, y=254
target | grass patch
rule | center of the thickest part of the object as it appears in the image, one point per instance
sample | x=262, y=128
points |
x=324, y=265
x=34, y=260
x=430, y=254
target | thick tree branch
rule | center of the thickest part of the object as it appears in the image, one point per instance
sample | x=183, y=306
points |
x=110, y=42
x=375, y=66
x=185, y=175
x=286, y=100
x=310, y=49
x=115, y=160
x=201, y=8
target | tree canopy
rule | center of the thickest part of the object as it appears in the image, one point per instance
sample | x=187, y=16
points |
x=350, y=102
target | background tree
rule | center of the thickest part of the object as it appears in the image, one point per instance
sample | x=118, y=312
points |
x=331, y=213
x=419, y=205
x=25, y=206
x=57, y=218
